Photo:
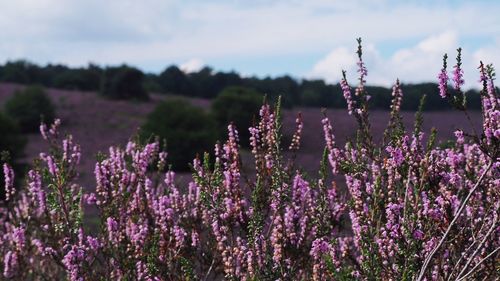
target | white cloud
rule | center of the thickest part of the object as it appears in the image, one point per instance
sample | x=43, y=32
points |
x=420, y=63
x=489, y=54
x=343, y=58
x=174, y=31
x=192, y=65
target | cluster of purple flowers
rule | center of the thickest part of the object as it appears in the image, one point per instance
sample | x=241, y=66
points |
x=410, y=209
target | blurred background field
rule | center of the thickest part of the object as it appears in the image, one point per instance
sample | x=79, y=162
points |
x=107, y=78
x=98, y=123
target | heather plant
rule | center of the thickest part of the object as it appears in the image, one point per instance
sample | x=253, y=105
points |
x=410, y=210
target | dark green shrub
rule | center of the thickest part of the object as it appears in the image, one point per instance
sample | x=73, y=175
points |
x=123, y=82
x=27, y=108
x=187, y=129
x=20, y=71
x=173, y=80
x=238, y=105
x=85, y=79
x=12, y=144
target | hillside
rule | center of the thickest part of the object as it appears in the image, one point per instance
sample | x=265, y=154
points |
x=97, y=123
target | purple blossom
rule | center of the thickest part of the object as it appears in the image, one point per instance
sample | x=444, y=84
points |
x=458, y=79
x=399, y=202
x=397, y=97
x=36, y=191
x=443, y=80
x=346, y=90
x=73, y=262
x=8, y=173
x=10, y=264
x=19, y=238
x=112, y=228
x=418, y=234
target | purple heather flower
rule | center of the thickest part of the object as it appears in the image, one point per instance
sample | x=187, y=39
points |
x=8, y=173
x=362, y=69
x=458, y=79
x=397, y=96
x=73, y=261
x=319, y=247
x=36, y=191
x=346, y=90
x=19, y=238
x=43, y=131
x=179, y=234
x=443, y=79
x=418, y=234
x=10, y=264
x=112, y=228
x=93, y=243
x=459, y=134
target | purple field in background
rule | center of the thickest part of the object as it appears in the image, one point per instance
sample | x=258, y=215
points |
x=97, y=123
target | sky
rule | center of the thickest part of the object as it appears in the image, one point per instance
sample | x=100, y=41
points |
x=305, y=39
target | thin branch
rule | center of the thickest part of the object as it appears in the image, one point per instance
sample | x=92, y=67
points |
x=468, y=248
x=209, y=269
x=478, y=264
x=455, y=218
x=493, y=225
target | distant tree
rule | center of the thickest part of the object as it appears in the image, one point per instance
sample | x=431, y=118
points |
x=48, y=74
x=85, y=79
x=237, y=105
x=20, y=71
x=222, y=80
x=188, y=131
x=27, y=108
x=70, y=79
x=11, y=140
x=123, y=82
x=284, y=86
x=202, y=83
x=151, y=83
x=380, y=97
x=174, y=80
x=319, y=94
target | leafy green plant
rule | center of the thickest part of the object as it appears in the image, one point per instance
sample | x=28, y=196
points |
x=239, y=106
x=123, y=82
x=187, y=130
x=30, y=106
x=11, y=146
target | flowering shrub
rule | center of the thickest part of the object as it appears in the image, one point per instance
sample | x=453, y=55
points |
x=413, y=211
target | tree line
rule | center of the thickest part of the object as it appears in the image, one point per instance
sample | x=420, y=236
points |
x=127, y=82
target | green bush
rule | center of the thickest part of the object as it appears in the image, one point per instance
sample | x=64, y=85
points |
x=123, y=82
x=238, y=105
x=187, y=129
x=11, y=143
x=27, y=108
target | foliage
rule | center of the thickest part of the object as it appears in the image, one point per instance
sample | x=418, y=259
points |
x=415, y=211
x=173, y=80
x=86, y=79
x=239, y=106
x=28, y=106
x=187, y=130
x=123, y=82
x=11, y=147
x=208, y=83
x=11, y=139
